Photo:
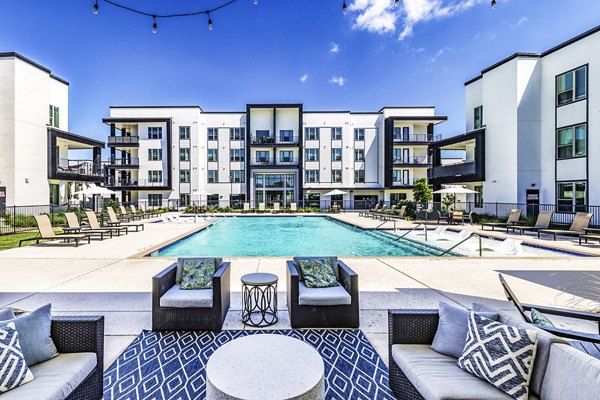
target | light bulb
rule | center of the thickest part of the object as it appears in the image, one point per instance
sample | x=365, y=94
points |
x=344, y=8
x=255, y=2
x=397, y=3
x=95, y=8
x=154, y=26
x=493, y=3
x=210, y=24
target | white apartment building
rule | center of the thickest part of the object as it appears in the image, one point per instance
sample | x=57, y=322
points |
x=39, y=165
x=268, y=153
x=532, y=123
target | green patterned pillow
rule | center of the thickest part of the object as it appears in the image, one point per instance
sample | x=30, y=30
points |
x=318, y=273
x=197, y=274
x=540, y=319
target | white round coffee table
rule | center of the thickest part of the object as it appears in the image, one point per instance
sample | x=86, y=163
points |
x=265, y=367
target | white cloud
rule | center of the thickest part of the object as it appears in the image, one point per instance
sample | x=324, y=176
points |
x=376, y=16
x=439, y=53
x=334, y=48
x=522, y=21
x=337, y=80
x=304, y=78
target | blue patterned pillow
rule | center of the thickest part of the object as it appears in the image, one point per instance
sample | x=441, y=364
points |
x=500, y=354
x=197, y=274
x=14, y=371
x=537, y=318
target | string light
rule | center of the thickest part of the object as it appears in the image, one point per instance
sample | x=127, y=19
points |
x=95, y=8
x=344, y=8
x=493, y=3
x=397, y=3
x=154, y=26
x=210, y=24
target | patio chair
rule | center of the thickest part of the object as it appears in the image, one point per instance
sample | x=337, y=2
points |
x=513, y=218
x=401, y=213
x=114, y=221
x=580, y=221
x=367, y=212
x=75, y=227
x=293, y=207
x=561, y=312
x=261, y=207
x=334, y=307
x=94, y=224
x=456, y=217
x=125, y=216
x=176, y=309
x=246, y=208
x=139, y=212
x=46, y=232
x=376, y=214
x=542, y=222
x=276, y=208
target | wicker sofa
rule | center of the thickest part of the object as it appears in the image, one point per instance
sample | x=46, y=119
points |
x=323, y=316
x=202, y=317
x=77, y=338
x=418, y=372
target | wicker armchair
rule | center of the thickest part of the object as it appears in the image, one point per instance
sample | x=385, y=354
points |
x=201, y=318
x=338, y=316
x=78, y=334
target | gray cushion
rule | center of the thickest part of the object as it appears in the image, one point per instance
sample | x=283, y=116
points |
x=175, y=297
x=334, y=265
x=436, y=376
x=55, y=379
x=6, y=313
x=571, y=374
x=34, y=335
x=330, y=296
x=452, y=329
x=179, y=273
x=545, y=340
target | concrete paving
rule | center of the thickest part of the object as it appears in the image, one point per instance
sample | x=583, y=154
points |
x=110, y=278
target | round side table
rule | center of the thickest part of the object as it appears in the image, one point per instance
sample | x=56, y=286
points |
x=259, y=299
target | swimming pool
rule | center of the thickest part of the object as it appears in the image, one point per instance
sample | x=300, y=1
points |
x=291, y=236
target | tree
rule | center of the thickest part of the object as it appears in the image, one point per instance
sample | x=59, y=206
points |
x=422, y=193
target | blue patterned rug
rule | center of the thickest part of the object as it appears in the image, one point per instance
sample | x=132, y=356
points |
x=170, y=365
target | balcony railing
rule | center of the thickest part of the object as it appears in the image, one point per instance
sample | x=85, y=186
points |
x=417, y=137
x=131, y=161
x=464, y=168
x=123, y=140
x=134, y=182
x=279, y=140
x=78, y=167
x=273, y=161
x=403, y=182
x=424, y=160
x=262, y=140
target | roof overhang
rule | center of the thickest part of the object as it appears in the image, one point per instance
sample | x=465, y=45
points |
x=74, y=141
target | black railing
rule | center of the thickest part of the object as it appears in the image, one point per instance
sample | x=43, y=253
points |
x=262, y=140
x=123, y=140
x=273, y=161
x=78, y=167
x=133, y=182
x=127, y=161
x=417, y=137
x=424, y=160
x=443, y=171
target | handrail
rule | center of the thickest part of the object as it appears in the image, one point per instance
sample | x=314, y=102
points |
x=461, y=242
x=412, y=229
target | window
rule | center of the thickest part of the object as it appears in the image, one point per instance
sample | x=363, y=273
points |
x=238, y=176
x=263, y=136
x=571, y=142
x=54, y=117
x=478, y=117
x=286, y=156
x=154, y=176
x=213, y=134
x=312, y=200
x=212, y=200
x=359, y=134
x=263, y=156
x=155, y=132
x=213, y=155
x=336, y=154
x=395, y=198
x=397, y=155
x=397, y=133
x=237, y=133
x=259, y=180
x=312, y=176
x=336, y=133
x=290, y=180
x=397, y=176
x=184, y=176
x=236, y=155
x=184, y=132
x=154, y=200
x=312, y=155
x=478, y=196
x=312, y=133
x=359, y=155
x=570, y=196
x=237, y=200
x=401, y=176
x=286, y=136
x=184, y=200
x=571, y=86
x=213, y=176
x=184, y=154
x=359, y=176
x=336, y=176
x=154, y=154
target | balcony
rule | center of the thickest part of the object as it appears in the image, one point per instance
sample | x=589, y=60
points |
x=281, y=161
x=423, y=161
x=77, y=170
x=262, y=140
x=471, y=163
x=123, y=141
x=408, y=182
x=117, y=182
x=123, y=163
x=454, y=170
x=417, y=138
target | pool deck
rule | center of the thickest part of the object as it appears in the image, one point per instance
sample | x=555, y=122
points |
x=110, y=278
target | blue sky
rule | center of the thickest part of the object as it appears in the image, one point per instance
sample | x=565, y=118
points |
x=420, y=53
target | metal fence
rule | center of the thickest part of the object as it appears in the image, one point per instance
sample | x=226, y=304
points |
x=17, y=219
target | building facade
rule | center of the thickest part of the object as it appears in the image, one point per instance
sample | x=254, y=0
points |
x=42, y=162
x=268, y=153
x=532, y=127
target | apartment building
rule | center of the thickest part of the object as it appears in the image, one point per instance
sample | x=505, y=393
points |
x=532, y=124
x=42, y=162
x=267, y=153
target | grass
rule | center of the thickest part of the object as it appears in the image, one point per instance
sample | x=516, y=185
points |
x=12, y=241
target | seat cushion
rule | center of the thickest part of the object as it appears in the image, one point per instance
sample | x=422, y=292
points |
x=330, y=296
x=438, y=377
x=178, y=298
x=6, y=313
x=55, y=379
x=571, y=374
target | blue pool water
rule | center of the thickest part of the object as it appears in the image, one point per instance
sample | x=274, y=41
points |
x=291, y=236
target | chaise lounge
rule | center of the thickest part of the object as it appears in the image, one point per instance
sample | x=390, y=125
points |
x=114, y=221
x=513, y=218
x=46, y=232
x=542, y=222
x=577, y=228
x=75, y=227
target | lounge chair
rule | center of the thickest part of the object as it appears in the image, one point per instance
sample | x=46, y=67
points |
x=367, y=212
x=401, y=213
x=561, y=312
x=376, y=214
x=47, y=233
x=513, y=218
x=114, y=221
x=75, y=227
x=125, y=216
x=276, y=208
x=293, y=207
x=94, y=224
x=580, y=221
x=139, y=212
x=542, y=222
x=261, y=207
x=246, y=208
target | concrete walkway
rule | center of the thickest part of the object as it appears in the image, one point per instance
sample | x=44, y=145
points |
x=102, y=278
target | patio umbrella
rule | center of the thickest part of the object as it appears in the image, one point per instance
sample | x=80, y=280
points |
x=455, y=190
x=335, y=192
